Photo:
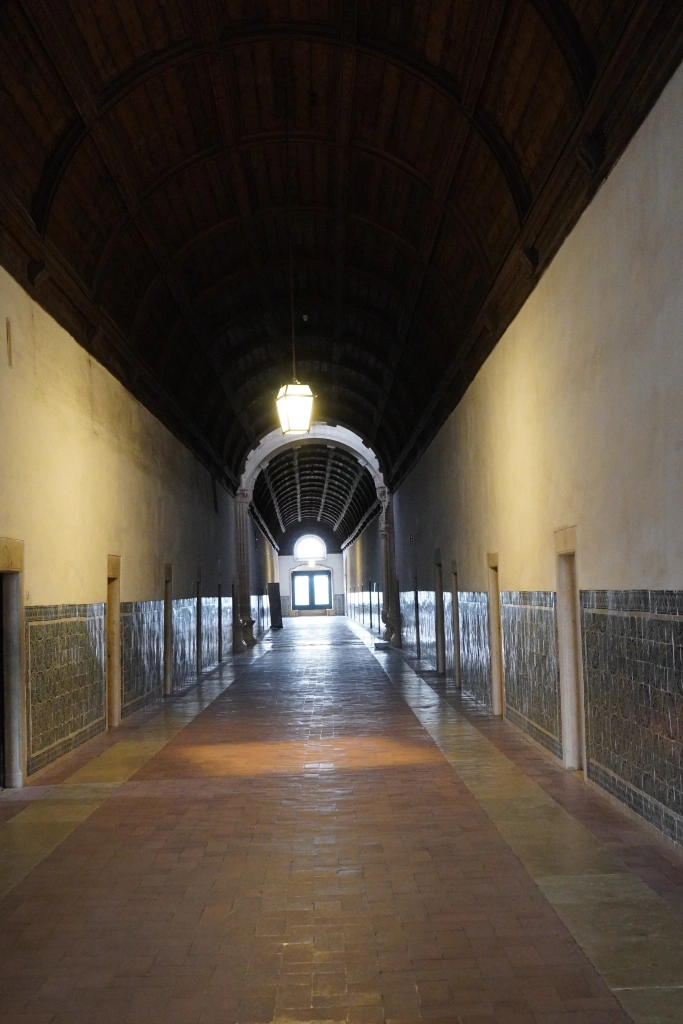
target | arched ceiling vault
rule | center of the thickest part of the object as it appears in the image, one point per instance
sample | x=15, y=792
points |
x=314, y=485
x=440, y=151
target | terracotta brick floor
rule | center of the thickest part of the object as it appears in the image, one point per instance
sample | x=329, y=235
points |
x=300, y=850
x=656, y=862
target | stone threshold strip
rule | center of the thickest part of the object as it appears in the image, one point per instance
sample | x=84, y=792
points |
x=55, y=811
x=632, y=937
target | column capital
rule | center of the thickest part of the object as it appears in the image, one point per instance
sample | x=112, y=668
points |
x=384, y=495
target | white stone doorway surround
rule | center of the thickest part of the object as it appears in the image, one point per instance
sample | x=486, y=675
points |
x=272, y=444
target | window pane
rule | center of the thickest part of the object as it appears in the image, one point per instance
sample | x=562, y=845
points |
x=321, y=588
x=301, y=590
x=310, y=547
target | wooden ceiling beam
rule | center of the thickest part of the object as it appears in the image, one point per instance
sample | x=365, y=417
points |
x=262, y=525
x=356, y=532
x=635, y=61
x=260, y=384
x=53, y=37
x=68, y=300
x=282, y=211
x=205, y=18
x=316, y=482
x=491, y=21
x=349, y=30
x=644, y=29
x=347, y=504
x=269, y=483
x=567, y=34
x=328, y=468
x=249, y=326
x=213, y=46
x=297, y=482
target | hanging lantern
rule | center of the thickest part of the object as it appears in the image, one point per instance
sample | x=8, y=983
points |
x=295, y=408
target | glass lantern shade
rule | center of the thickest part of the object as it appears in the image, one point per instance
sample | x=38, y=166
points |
x=295, y=407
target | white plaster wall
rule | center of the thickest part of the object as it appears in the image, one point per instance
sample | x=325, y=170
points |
x=86, y=471
x=577, y=416
x=334, y=562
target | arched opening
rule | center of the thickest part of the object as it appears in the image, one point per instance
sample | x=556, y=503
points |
x=310, y=546
x=312, y=496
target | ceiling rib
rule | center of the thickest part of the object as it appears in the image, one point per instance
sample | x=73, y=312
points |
x=278, y=513
x=297, y=482
x=634, y=25
x=328, y=468
x=204, y=14
x=475, y=84
x=564, y=26
x=431, y=75
x=115, y=163
x=315, y=484
x=585, y=77
x=263, y=526
x=347, y=503
x=105, y=340
x=349, y=30
x=372, y=511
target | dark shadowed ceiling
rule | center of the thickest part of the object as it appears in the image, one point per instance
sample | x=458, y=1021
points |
x=315, y=484
x=440, y=150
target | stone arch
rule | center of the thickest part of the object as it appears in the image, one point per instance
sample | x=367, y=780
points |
x=275, y=442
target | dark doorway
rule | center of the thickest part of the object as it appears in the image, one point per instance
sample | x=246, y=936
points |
x=312, y=590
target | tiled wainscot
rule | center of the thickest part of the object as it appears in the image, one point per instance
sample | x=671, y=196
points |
x=531, y=668
x=260, y=613
x=633, y=680
x=226, y=624
x=426, y=607
x=184, y=642
x=475, y=646
x=408, y=622
x=448, y=632
x=65, y=678
x=142, y=653
x=209, y=633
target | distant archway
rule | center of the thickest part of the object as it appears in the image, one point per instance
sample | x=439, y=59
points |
x=275, y=441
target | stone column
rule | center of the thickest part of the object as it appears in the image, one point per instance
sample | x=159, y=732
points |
x=390, y=611
x=440, y=624
x=245, y=623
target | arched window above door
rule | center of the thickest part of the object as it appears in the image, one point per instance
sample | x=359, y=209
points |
x=310, y=546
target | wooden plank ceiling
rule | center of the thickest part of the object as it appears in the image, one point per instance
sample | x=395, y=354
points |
x=315, y=484
x=439, y=152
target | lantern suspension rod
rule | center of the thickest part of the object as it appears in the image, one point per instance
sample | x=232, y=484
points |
x=288, y=197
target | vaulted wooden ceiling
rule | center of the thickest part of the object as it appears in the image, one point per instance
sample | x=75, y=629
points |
x=439, y=152
x=314, y=484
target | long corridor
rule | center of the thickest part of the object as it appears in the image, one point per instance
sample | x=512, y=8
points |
x=316, y=834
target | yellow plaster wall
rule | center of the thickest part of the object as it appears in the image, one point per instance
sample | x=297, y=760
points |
x=577, y=416
x=363, y=558
x=86, y=471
